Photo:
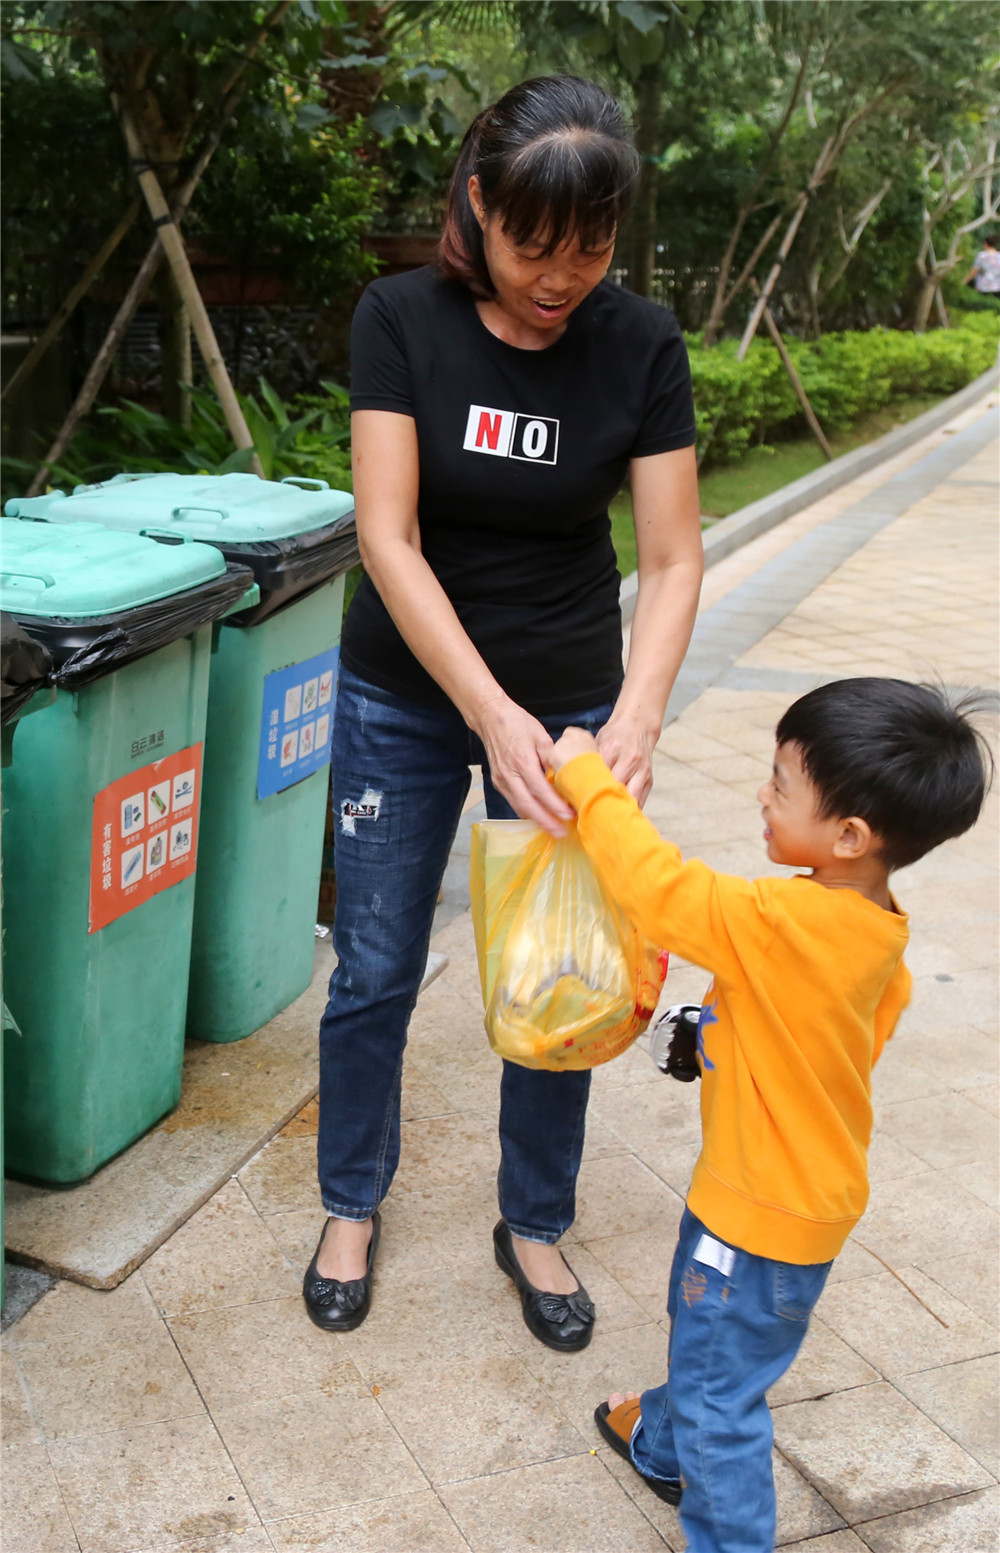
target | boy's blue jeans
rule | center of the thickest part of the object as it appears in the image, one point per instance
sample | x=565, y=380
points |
x=400, y=777
x=732, y=1335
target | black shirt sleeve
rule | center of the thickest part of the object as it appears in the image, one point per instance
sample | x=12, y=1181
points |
x=668, y=420
x=380, y=369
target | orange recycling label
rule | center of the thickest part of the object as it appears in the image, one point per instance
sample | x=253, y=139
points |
x=145, y=835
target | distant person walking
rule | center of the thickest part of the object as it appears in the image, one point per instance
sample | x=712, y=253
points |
x=499, y=400
x=985, y=271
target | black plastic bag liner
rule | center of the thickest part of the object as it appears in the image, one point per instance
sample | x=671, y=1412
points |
x=25, y=667
x=85, y=650
x=286, y=570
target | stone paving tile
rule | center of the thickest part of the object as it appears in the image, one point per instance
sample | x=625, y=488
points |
x=245, y=1352
x=17, y=1427
x=935, y=1051
x=282, y=1176
x=834, y=1542
x=964, y=1400
x=870, y=1452
x=151, y=1487
x=611, y=1202
x=243, y=1539
x=92, y=1361
x=33, y=1514
x=981, y=1180
x=825, y=1363
x=968, y=1523
x=552, y=1507
x=421, y=1314
x=402, y=1524
x=222, y=1256
x=986, y=1095
x=630, y=1360
x=477, y=1416
x=924, y=1218
x=973, y=1278
x=314, y=1451
x=640, y=1261
x=449, y=1150
x=888, y=1326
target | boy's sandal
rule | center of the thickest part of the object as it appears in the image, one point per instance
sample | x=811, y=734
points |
x=615, y=1426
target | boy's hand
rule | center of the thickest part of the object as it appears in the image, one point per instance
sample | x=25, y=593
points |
x=575, y=741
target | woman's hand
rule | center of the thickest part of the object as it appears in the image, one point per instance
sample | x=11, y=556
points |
x=627, y=748
x=519, y=752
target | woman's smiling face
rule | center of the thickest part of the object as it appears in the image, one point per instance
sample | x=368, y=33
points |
x=535, y=288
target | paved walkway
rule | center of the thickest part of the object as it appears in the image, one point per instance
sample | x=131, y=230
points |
x=195, y=1408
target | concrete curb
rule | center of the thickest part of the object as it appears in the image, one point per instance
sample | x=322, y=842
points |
x=747, y=523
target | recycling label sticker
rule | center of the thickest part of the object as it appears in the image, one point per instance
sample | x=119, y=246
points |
x=296, y=729
x=145, y=835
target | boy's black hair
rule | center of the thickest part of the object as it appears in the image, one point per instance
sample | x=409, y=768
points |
x=902, y=757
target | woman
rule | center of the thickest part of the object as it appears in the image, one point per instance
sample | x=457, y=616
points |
x=498, y=401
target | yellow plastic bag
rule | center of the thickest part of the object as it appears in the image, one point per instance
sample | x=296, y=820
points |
x=567, y=981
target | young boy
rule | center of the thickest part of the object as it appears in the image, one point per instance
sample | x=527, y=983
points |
x=809, y=980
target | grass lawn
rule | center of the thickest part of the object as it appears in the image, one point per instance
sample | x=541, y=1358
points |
x=728, y=487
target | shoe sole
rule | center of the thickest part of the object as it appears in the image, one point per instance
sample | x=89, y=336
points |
x=542, y=1336
x=668, y=1492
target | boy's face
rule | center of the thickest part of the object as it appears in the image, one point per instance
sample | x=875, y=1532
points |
x=794, y=833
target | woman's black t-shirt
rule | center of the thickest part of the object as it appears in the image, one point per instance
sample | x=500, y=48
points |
x=520, y=453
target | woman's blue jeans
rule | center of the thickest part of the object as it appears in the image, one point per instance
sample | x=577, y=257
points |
x=737, y=1322
x=400, y=778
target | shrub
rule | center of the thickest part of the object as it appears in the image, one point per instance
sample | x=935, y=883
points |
x=739, y=404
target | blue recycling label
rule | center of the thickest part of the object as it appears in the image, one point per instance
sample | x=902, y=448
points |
x=296, y=730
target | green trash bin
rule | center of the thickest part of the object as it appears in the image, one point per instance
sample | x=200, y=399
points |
x=100, y=836
x=270, y=723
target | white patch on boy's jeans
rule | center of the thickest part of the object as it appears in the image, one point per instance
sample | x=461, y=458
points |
x=712, y=1253
x=367, y=808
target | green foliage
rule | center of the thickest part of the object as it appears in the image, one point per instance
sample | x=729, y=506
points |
x=292, y=200
x=744, y=404
x=309, y=439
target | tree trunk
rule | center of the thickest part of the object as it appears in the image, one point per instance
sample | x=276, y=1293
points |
x=940, y=311
x=718, y=307
x=176, y=365
x=642, y=259
x=925, y=301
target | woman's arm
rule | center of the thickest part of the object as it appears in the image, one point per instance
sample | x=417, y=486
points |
x=670, y=565
x=386, y=466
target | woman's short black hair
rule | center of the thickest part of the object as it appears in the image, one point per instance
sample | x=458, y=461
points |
x=554, y=159
x=905, y=758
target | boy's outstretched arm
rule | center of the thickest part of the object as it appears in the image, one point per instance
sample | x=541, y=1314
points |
x=684, y=907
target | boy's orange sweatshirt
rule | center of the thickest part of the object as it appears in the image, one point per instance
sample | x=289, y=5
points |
x=808, y=985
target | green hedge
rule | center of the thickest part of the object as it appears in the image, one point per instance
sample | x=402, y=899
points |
x=743, y=404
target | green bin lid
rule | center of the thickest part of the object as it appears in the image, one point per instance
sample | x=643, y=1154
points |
x=223, y=509
x=74, y=572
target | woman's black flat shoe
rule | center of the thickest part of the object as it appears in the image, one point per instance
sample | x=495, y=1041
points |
x=336, y=1306
x=561, y=1321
